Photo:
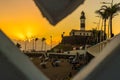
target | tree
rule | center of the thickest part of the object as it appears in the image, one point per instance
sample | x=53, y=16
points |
x=36, y=39
x=62, y=35
x=43, y=39
x=113, y=10
x=18, y=45
x=103, y=12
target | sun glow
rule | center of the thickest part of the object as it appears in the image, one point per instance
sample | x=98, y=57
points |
x=20, y=36
x=25, y=22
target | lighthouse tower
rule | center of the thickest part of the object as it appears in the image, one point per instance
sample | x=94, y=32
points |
x=82, y=21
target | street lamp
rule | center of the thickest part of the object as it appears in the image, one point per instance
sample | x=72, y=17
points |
x=98, y=23
x=51, y=41
x=33, y=44
x=25, y=45
x=97, y=27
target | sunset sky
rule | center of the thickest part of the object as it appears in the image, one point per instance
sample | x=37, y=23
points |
x=21, y=19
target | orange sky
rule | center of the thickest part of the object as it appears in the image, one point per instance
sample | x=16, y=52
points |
x=21, y=19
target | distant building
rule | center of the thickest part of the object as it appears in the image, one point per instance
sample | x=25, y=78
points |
x=82, y=20
x=82, y=37
x=82, y=31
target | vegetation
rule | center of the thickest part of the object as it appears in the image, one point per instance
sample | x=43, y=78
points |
x=43, y=39
x=36, y=39
x=113, y=10
x=104, y=15
x=18, y=45
x=108, y=12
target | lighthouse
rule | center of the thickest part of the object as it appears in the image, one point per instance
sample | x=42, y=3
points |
x=82, y=21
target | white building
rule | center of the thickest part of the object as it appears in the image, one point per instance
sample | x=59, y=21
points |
x=82, y=31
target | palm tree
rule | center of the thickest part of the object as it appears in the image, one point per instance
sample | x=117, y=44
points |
x=43, y=39
x=36, y=39
x=104, y=14
x=62, y=35
x=18, y=45
x=113, y=10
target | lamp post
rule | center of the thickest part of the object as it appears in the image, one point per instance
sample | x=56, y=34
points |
x=98, y=24
x=98, y=28
x=33, y=44
x=25, y=42
x=51, y=42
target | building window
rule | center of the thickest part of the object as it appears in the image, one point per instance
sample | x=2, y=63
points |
x=82, y=20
